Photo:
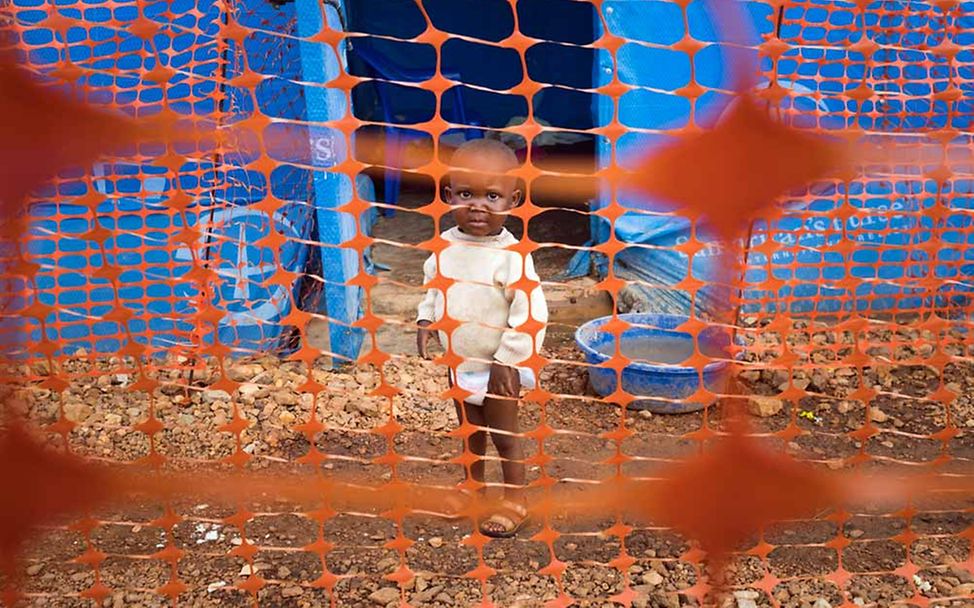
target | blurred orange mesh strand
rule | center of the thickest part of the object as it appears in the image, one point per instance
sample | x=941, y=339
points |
x=158, y=447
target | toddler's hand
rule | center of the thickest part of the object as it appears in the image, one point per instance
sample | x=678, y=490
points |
x=423, y=337
x=504, y=381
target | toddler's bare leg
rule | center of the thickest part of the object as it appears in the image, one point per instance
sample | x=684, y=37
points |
x=477, y=442
x=502, y=415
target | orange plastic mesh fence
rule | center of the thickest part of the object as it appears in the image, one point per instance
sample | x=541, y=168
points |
x=219, y=214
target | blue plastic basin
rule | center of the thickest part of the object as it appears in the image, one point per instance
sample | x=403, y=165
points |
x=656, y=352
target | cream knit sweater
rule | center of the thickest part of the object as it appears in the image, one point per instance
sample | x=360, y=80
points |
x=482, y=300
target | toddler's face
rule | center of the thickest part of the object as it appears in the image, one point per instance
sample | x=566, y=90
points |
x=481, y=201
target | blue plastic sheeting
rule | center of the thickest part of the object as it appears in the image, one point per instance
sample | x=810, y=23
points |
x=653, y=106
x=652, y=259
x=887, y=258
x=383, y=49
x=145, y=228
x=319, y=64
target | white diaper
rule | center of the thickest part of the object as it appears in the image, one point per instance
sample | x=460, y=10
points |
x=476, y=383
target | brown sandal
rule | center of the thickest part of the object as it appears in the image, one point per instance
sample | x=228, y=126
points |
x=511, y=517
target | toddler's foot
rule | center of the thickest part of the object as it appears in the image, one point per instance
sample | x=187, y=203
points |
x=506, y=522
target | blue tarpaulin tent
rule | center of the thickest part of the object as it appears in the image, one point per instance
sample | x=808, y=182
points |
x=890, y=231
x=885, y=242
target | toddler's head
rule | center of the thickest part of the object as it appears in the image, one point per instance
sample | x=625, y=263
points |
x=481, y=189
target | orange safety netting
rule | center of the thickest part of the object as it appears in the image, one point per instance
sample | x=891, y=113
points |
x=179, y=424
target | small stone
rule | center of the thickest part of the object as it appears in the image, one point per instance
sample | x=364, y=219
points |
x=77, y=411
x=666, y=600
x=877, y=415
x=821, y=603
x=245, y=371
x=764, y=407
x=362, y=406
x=286, y=417
x=652, y=578
x=965, y=589
x=844, y=407
x=962, y=574
x=292, y=591
x=436, y=542
x=854, y=533
x=384, y=596
x=248, y=389
x=645, y=414
x=801, y=383
x=443, y=598
x=34, y=569
x=210, y=396
x=428, y=595
x=283, y=572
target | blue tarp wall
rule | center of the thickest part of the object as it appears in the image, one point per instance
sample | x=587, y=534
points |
x=887, y=257
x=891, y=224
x=135, y=207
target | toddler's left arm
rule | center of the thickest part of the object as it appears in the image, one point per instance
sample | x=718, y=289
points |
x=527, y=304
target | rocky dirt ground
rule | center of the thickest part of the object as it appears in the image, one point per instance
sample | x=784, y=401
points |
x=935, y=539
x=916, y=556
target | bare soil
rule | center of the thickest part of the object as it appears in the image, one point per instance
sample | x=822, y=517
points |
x=914, y=556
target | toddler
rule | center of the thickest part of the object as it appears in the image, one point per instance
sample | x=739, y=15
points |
x=488, y=308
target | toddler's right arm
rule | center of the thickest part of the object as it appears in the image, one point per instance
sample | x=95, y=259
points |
x=427, y=310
